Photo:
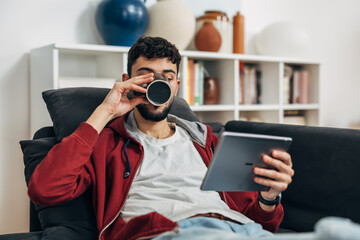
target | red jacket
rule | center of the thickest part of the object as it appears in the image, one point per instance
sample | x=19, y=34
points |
x=108, y=163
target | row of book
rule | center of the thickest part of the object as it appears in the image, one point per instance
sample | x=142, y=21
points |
x=250, y=84
x=296, y=85
x=296, y=117
x=195, y=85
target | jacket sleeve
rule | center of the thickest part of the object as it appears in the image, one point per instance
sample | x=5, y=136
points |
x=248, y=204
x=64, y=173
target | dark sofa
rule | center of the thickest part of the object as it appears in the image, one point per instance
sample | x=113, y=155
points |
x=326, y=162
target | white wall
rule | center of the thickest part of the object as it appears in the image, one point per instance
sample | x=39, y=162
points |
x=333, y=25
x=25, y=25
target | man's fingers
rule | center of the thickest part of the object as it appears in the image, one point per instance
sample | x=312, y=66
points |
x=277, y=186
x=139, y=80
x=136, y=101
x=282, y=155
x=278, y=164
x=275, y=175
x=121, y=87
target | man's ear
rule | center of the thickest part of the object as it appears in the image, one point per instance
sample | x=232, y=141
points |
x=177, y=85
x=125, y=77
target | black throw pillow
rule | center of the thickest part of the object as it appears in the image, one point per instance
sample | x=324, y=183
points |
x=69, y=107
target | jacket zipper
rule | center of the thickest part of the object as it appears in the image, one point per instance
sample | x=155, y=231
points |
x=118, y=213
x=102, y=231
x=223, y=193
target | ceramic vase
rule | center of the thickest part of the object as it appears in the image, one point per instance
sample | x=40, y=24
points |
x=121, y=22
x=213, y=32
x=172, y=20
x=211, y=91
x=208, y=38
x=285, y=39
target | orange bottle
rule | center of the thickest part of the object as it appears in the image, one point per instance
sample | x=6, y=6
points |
x=238, y=33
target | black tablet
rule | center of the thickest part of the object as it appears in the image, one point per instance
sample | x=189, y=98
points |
x=231, y=168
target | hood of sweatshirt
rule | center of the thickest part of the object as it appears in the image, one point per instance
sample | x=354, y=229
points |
x=196, y=130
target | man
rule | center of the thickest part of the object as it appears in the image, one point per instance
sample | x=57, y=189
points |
x=146, y=168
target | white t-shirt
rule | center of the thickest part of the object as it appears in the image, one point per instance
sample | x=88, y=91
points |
x=168, y=179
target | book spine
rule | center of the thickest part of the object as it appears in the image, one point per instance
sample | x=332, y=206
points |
x=242, y=83
x=287, y=76
x=304, y=87
x=196, y=83
x=295, y=96
x=258, y=86
x=191, y=81
x=201, y=83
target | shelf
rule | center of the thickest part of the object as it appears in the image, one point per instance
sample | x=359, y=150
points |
x=258, y=107
x=188, y=53
x=244, y=57
x=212, y=108
x=61, y=65
x=90, y=48
x=70, y=82
x=301, y=106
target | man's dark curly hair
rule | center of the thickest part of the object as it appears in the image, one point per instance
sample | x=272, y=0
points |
x=153, y=47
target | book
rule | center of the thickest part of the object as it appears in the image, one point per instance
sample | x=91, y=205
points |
x=250, y=85
x=258, y=87
x=196, y=83
x=294, y=117
x=242, y=83
x=304, y=87
x=288, y=71
x=199, y=83
x=191, y=80
x=299, y=87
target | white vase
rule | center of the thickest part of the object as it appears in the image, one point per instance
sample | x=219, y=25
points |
x=172, y=20
x=285, y=39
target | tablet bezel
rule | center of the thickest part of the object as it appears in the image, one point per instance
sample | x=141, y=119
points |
x=227, y=172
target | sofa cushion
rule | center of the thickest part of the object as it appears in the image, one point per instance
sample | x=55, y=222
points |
x=326, y=163
x=76, y=216
x=68, y=107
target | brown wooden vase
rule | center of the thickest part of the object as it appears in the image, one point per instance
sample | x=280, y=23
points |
x=211, y=91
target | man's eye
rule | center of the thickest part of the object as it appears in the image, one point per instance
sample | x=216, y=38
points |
x=169, y=79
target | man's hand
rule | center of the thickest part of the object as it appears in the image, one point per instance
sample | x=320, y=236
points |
x=117, y=103
x=280, y=177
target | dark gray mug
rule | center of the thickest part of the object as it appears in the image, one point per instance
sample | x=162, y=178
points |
x=158, y=91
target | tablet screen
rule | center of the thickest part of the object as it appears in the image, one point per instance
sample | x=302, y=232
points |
x=231, y=168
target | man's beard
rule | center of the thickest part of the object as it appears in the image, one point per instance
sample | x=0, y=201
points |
x=152, y=116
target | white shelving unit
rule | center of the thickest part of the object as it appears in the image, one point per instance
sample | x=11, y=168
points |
x=78, y=65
